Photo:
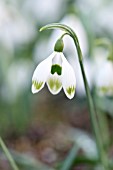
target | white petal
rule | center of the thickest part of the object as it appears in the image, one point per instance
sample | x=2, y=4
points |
x=41, y=74
x=68, y=78
x=54, y=83
x=57, y=59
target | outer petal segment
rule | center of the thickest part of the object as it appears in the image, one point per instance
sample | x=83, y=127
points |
x=41, y=74
x=54, y=83
x=68, y=78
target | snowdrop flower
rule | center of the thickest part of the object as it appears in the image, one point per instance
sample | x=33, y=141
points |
x=20, y=69
x=56, y=72
x=104, y=80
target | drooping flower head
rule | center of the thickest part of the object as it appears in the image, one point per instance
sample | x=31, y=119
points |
x=56, y=72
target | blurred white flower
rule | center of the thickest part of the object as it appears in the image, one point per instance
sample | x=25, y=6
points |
x=105, y=16
x=14, y=28
x=84, y=141
x=103, y=74
x=98, y=13
x=89, y=70
x=43, y=11
x=88, y=7
x=17, y=79
x=57, y=73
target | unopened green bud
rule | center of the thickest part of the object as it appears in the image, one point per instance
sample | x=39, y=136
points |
x=59, y=45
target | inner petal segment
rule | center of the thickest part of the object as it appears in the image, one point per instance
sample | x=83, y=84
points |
x=56, y=68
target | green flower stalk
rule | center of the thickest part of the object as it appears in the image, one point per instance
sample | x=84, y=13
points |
x=95, y=126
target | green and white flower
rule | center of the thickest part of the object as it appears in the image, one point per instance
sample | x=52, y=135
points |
x=57, y=73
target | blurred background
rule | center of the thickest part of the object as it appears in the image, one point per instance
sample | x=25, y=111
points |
x=40, y=129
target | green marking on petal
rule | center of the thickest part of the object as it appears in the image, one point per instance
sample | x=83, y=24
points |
x=56, y=68
x=36, y=84
x=105, y=89
x=54, y=84
x=70, y=90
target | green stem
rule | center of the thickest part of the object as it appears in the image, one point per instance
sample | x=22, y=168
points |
x=93, y=118
x=7, y=153
x=63, y=35
x=69, y=161
x=69, y=31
